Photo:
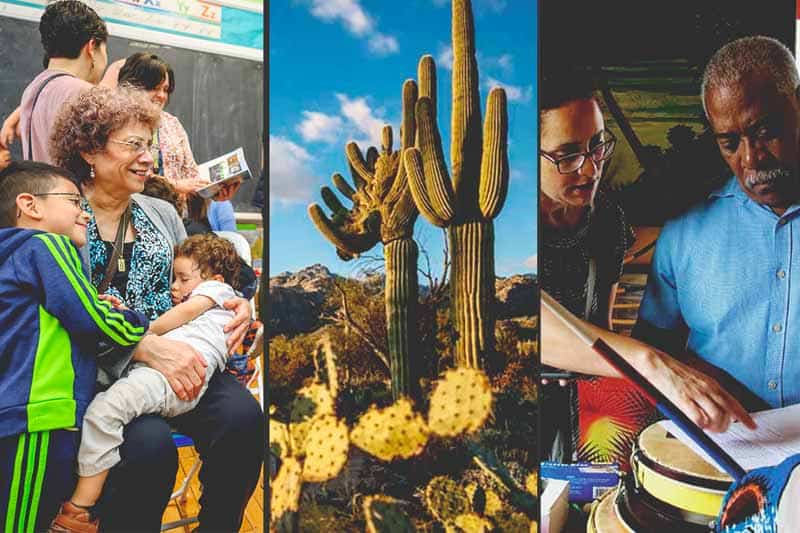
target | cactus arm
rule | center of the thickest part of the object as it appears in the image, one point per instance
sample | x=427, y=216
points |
x=404, y=211
x=350, y=244
x=426, y=72
x=358, y=165
x=436, y=179
x=372, y=158
x=416, y=181
x=465, y=138
x=343, y=186
x=333, y=202
x=493, y=186
x=408, y=132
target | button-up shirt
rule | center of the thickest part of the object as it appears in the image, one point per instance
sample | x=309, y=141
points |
x=728, y=273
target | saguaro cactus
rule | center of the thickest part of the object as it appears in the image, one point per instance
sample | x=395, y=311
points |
x=384, y=210
x=466, y=205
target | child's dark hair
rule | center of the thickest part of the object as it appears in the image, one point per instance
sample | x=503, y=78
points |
x=66, y=26
x=161, y=188
x=27, y=177
x=213, y=255
x=146, y=71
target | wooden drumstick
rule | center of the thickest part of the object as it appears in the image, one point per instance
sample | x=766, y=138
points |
x=664, y=404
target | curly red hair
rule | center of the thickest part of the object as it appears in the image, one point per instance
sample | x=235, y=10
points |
x=85, y=124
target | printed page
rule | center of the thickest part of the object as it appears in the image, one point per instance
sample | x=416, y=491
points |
x=776, y=438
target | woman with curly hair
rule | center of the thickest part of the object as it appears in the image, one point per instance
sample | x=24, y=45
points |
x=105, y=138
x=174, y=160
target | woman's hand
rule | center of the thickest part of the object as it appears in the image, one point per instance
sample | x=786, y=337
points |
x=182, y=365
x=238, y=326
x=698, y=395
x=111, y=75
x=10, y=129
x=189, y=186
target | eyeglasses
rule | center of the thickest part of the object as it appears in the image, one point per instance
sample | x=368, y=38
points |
x=139, y=146
x=75, y=199
x=569, y=163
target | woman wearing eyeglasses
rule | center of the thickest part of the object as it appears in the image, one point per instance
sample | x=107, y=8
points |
x=105, y=138
x=584, y=239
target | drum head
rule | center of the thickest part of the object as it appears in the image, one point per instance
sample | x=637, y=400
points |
x=605, y=518
x=669, y=452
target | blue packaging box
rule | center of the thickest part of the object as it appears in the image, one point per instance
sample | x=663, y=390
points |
x=587, y=481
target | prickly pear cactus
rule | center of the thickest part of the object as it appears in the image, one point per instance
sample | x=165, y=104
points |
x=285, y=498
x=382, y=210
x=532, y=483
x=446, y=499
x=472, y=523
x=467, y=204
x=311, y=401
x=461, y=402
x=326, y=449
x=384, y=515
x=279, y=438
x=396, y=432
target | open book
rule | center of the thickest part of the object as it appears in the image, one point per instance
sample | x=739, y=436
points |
x=223, y=169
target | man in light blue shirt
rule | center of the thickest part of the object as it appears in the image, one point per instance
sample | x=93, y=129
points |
x=725, y=279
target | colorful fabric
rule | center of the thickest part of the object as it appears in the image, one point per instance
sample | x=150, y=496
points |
x=51, y=323
x=149, y=274
x=175, y=150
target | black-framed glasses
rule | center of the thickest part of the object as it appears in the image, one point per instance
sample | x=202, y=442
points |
x=75, y=199
x=139, y=146
x=567, y=164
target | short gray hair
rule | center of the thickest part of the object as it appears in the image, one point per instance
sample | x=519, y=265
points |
x=756, y=54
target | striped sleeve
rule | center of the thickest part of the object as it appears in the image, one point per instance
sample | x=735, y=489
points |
x=70, y=296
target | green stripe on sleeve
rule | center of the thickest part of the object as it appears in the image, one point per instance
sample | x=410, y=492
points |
x=122, y=338
x=41, y=466
x=15, y=479
x=51, y=404
x=32, y=444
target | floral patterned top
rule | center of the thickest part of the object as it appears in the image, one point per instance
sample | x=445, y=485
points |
x=148, y=280
x=177, y=161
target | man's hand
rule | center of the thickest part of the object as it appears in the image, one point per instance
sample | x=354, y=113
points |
x=238, y=326
x=228, y=191
x=10, y=129
x=698, y=395
x=177, y=361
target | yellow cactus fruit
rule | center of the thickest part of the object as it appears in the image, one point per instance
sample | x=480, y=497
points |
x=384, y=515
x=311, y=401
x=461, y=402
x=285, y=489
x=391, y=433
x=532, y=483
x=472, y=523
x=279, y=438
x=326, y=449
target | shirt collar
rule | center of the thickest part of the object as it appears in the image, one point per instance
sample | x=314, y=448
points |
x=732, y=189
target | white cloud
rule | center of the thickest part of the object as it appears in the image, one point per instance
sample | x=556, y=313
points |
x=532, y=262
x=318, y=126
x=444, y=59
x=355, y=20
x=506, y=63
x=360, y=115
x=382, y=45
x=515, y=93
x=291, y=179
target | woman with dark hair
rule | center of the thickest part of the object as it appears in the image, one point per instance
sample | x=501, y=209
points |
x=175, y=161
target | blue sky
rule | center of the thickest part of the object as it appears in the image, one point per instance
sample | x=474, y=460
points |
x=336, y=71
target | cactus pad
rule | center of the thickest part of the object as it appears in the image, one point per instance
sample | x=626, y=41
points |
x=461, y=402
x=279, y=439
x=285, y=489
x=311, y=401
x=326, y=449
x=384, y=515
x=391, y=433
x=472, y=523
x=532, y=483
x=513, y=522
x=446, y=499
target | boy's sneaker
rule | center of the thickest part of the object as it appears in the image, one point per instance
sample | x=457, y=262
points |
x=73, y=519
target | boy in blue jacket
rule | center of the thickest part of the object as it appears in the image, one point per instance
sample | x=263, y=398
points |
x=51, y=322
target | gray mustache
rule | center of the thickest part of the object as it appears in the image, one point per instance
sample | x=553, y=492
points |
x=766, y=177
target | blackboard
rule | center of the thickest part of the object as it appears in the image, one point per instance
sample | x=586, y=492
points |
x=218, y=99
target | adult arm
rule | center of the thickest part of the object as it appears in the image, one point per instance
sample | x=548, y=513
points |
x=239, y=323
x=221, y=216
x=10, y=129
x=179, y=362
x=184, y=174
x=111, y=76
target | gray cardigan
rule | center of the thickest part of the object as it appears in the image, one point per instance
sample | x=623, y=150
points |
x=112, y=362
